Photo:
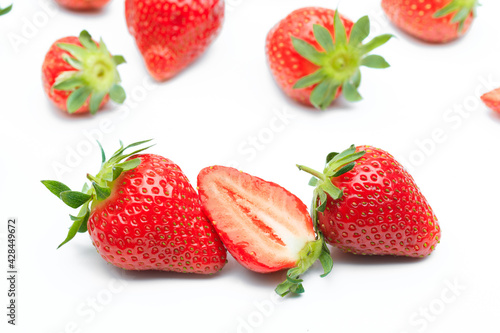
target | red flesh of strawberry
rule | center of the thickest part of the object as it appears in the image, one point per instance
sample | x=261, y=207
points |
x=262, y=225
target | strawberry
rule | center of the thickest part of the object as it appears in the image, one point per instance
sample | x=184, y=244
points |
x=143, y=214
x=492, y=100
x=171, y=34
x=83, y=4
x=80, y=75
x=315, y=54
x=367, y=203
x=264, y=227
x=5, y=10
x=434, y=21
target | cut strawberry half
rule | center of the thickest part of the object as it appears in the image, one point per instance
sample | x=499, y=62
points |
x=264, y=227
x=492, y=100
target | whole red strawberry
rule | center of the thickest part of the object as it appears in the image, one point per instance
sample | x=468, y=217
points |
x=368, y=204
x=83, y=4
x=80, y=75
x=265, y=227
x=315, y=54
x=492, y=100
x=435, y=21
x=171, y=34
x=143, y=214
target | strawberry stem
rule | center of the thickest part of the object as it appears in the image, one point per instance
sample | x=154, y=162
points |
x=313, y=251
x=313, y=172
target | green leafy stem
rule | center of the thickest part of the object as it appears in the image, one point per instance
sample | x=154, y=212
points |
x=99, y=188
x=5, y=10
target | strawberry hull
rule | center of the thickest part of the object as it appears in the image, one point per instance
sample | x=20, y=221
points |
x=315, y=55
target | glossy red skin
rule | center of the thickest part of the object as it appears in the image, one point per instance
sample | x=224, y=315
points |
x=239, y=252
x=171, y=34
x=287, y=66
x=52, y=67
x=83, y=4
x=415, y=18
x=492, y=100
x=153, y=221
x=382, y=211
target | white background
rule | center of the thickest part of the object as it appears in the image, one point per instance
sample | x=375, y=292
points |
x=208, y=115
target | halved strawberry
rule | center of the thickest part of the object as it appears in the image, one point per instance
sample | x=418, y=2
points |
x=264, y=227
x=492, y=100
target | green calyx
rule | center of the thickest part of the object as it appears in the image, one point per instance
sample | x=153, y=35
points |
x=5, y=10
x=95, y=76
x=98, y=190
x=461, y=10
x=308, y=255
x=340, y=60
x=337, y=164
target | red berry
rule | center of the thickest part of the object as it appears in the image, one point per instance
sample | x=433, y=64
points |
x=369, y=204
x=171, y=34
x=148, y=217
